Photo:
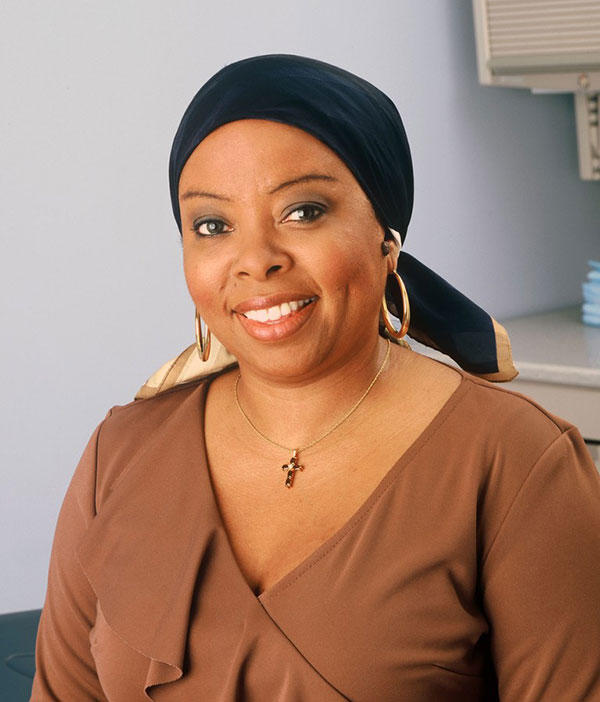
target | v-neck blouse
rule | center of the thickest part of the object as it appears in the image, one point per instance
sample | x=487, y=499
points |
x=469, y=573
x=359, y=513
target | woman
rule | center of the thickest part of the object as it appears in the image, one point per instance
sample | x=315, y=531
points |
x=312, y=512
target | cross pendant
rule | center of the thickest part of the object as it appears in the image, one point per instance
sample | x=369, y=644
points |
x=291, y=468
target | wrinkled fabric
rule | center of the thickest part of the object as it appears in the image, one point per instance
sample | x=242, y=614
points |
x=469, y=574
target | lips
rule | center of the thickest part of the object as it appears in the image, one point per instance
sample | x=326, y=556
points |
x=274, y=317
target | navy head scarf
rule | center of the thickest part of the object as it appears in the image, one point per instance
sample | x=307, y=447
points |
x=363, y=127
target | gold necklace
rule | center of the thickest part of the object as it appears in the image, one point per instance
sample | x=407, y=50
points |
x=292, y=465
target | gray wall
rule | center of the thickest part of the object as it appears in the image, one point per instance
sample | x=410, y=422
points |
x=93, y=297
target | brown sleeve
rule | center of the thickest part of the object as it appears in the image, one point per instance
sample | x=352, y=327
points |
x=541, y=580
x=64, y=666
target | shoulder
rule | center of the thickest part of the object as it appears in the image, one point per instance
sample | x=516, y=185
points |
x=140, y=416
x=502, y=436
x=494, y=420
x=129, y=431
x=497, y=406
x=512, y=412
x=499, y=444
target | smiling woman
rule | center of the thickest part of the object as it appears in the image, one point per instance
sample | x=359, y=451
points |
x=442, y=540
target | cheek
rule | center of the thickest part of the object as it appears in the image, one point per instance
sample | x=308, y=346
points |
x=348, y=268
x=202, y=280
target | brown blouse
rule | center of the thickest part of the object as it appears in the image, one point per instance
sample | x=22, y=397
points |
x=472, y=571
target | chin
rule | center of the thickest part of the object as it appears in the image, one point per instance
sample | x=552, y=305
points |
x=294, y=361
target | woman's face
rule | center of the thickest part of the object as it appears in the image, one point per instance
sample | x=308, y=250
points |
x=282, y=249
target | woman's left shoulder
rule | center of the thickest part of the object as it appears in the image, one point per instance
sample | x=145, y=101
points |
x=496, y=414
x=510, y=407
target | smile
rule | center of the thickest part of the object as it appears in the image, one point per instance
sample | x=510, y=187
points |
x=268, y=322
x=277, y=312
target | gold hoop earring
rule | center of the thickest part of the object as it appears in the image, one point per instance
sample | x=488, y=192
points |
x=397, y=333
x=202, y=340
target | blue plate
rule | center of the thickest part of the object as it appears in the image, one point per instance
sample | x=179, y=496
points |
x=591, y=308
x=591, y=292
x=593, y=321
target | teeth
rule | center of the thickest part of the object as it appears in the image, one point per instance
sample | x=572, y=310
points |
x=272, y=314
x=258, y=315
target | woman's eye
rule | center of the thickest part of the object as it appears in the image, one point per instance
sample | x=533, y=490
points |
x=305, y=213
x=208, y=227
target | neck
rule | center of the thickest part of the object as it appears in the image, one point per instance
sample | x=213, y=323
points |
x=294, y=411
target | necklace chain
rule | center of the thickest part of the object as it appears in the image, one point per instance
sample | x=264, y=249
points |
x=331, y=429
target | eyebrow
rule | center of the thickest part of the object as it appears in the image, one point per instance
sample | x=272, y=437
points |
x=286, y=184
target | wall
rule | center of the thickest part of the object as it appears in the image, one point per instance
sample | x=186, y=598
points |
x=93, y=298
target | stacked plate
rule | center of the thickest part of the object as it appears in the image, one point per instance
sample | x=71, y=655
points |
x=591, y=296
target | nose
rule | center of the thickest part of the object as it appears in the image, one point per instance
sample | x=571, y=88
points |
x=260, y=254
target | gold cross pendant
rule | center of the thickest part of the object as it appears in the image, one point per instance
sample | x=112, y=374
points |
x=291, y=468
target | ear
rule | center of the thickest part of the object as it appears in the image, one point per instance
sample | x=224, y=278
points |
x=392, y=257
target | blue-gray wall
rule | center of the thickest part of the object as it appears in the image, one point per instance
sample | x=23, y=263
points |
x=93, y=299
